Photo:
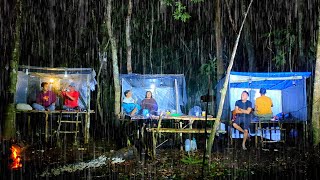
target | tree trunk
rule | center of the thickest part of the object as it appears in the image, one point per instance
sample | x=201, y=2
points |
x=249, y=46
x=52, y=27
x=128, y=40
x=300, y=31
x=224, y=89
x=218, y=36
x=10, y=115
x=144, y=62
x=316, y=95
x=115, y=67
x=151, y=36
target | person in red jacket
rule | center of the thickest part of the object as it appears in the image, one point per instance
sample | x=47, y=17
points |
x=71, y=97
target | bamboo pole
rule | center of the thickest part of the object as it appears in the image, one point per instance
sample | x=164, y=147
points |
x=224, y=89
x=177, y=94
x=316, y=95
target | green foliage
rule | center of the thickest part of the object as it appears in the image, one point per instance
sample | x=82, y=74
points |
x=128, y=142
x=279, y=59
x=283, y=41
x=180, y=9
x=168, y=2
x=216, y=169
x=197, y=1
x=191, y=160
x=209, y=68
x=180, y=12
x=311, y=53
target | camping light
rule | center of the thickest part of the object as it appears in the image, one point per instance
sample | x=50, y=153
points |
x=27, y=71
x=294, y=80
x=65, y=74
x=250, y=81
x=153, y=86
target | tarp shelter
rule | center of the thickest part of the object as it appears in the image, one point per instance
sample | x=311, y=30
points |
x=30, y=79
x=169, y=90
x=286, y=89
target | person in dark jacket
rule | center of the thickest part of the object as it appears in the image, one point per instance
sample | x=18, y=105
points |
x=46, y=99
x=149, y=103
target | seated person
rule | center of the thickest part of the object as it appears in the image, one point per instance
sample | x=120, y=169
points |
x=243, y=109
x=71, y=97
x=149, y=103
x=129, y=105
x=45, y=99
x=263, y=106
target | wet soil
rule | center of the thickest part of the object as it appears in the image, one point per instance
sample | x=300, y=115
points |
x=229, y=161
x=291, y=160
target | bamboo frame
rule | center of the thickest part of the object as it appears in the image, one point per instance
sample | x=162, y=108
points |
x=87, y=120
x=181, y=130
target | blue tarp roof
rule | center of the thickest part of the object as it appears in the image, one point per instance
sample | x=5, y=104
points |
x=271, y=80
x=271, y=74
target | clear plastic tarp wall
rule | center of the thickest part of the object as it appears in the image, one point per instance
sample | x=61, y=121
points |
x=30, y=79
x=168, y=90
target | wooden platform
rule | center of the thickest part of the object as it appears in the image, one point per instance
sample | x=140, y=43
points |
x=60, y=112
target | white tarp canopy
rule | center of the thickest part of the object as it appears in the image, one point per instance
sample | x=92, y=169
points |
x=30, y=79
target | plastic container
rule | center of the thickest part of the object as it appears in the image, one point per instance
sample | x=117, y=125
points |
x=187, y=145
x=193, y=144
x=145, y=113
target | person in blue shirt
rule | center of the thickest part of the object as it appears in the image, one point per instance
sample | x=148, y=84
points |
x=243, y=110
x=129, y=105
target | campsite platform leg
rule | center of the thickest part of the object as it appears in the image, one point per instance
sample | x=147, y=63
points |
x=86, y=128
x=29, y=125
x=154, y=143
x=47, y=127
x=305, y=133
x=181, y=140
x=256, y=135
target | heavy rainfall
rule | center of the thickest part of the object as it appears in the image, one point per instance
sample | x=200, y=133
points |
x=159, y=89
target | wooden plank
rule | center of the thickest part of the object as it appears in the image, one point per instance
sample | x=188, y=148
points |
x=68, y=132
x=180, y=118
x=55, y=112
x=70, y=121
x=174, y=130
x=193, y=118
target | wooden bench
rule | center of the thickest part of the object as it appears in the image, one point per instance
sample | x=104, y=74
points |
x=179, y=130
x=259, y=127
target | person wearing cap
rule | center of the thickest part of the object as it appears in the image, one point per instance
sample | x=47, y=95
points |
x=263, y=106
x=129, y=104
x=243, y=108
x=46, y=99
x=71, y=97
